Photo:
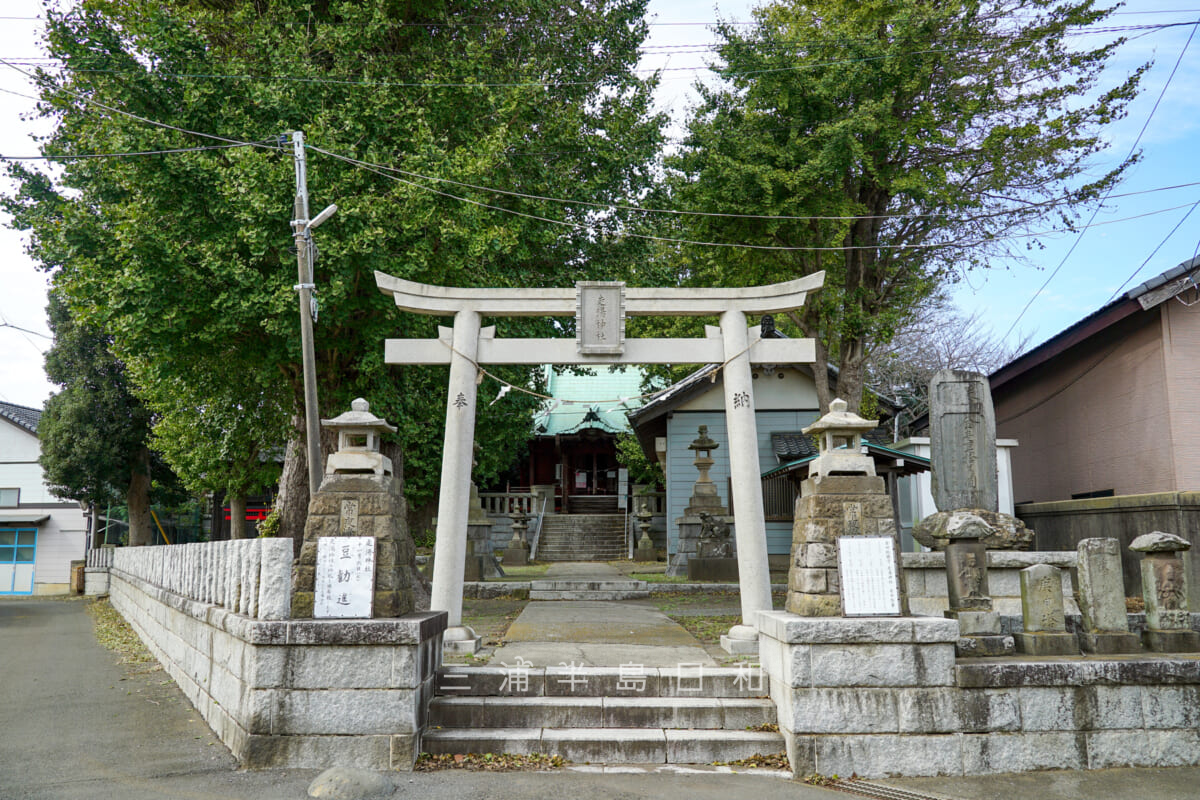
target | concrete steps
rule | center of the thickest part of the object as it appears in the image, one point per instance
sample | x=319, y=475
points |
x=582, y=537
x=649, y=724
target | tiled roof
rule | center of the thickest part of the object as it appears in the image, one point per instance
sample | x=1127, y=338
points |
x=26, y=417
x=792, y=445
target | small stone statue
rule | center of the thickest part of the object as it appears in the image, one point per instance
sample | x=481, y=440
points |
x=714, y=537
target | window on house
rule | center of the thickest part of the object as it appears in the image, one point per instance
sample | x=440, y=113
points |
x=10, y=498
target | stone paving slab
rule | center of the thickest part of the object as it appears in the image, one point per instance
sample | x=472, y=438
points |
x=583, y=571
x=552, y=654
x=598, y=622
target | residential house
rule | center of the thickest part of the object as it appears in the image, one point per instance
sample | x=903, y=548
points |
x=1108, y=419
x=39, y=533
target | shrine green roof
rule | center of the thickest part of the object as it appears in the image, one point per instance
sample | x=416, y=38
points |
x=592, y=399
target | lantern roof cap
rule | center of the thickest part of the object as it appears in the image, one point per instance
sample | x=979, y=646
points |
x=840, y=420
x=359, y=416
x=703, y=441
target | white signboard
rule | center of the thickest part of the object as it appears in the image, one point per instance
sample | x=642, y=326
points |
x=345, y=579
x=622, y=489
x=870, y=583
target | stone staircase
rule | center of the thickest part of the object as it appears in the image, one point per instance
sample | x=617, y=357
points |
x=592, y=504
x=604, y=715
x=582, y=537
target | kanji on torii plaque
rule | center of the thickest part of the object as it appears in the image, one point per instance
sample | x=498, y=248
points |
x=600, y=308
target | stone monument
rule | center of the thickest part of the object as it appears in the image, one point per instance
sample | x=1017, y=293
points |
x=967, y=587
x=1165, y=590
x=842, y=497
x=359, y=497
x=705, y=499
x=1100, y=595
x=1045, y=623
x=962, y=429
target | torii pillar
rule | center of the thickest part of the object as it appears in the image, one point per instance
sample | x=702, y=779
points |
x=600, y=309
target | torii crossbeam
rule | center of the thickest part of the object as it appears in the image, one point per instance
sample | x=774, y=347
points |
x=600, y=308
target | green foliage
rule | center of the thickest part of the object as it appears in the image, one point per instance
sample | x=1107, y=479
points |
x=910, y=140
x=94, y=432
x=184, y=259
x=268, y=527
x=641, y=469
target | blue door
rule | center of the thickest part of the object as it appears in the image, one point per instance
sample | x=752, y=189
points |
x=18, y=550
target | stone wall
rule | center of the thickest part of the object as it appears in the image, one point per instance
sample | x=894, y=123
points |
x=925, y=579
x=1062, y=525
x=293, y=693
x=879, y=697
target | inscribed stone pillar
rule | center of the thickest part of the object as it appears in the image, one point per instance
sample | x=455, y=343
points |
x=1045, y=624
x=450, y=545
x=1100, y=594
x=750, y=528
x=967, y=585
x=1165, y=590
x=962, y=426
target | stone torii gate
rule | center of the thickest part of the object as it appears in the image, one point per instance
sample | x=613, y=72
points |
x=600, y=308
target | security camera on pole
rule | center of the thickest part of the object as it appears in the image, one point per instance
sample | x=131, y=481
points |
x=302, y=227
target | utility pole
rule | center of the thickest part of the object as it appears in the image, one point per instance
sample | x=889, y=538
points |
x=302, y=227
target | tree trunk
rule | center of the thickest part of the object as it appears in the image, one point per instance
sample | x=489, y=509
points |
x=292, y=502
x=237, y=516
x=137, y=501
x=851, y=373
x=821, y=376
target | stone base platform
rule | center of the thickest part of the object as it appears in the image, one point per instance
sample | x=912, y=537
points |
x=1103, y=644
x=886, y=697
x=712, y=569
x=984, y=646
x=1047, y=644
x=739, y=647
x=1171, y=641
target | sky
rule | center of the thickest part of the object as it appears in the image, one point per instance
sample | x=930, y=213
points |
x=1104, y=257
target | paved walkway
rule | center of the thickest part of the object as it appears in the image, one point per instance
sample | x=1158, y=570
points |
x=583, y=571
x=595, y=633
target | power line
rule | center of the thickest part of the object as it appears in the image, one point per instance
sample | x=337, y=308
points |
x=436, y=84
x=131, y=115
x=1083, y=230
x=672, y=240
x=1155, y=251
x=684, y=212
x=7, y=324
x=122, y=155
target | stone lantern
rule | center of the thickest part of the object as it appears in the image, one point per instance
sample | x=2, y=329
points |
x=358, y=433
x=704, y=493
x=840, y=443
x=361, y=499
x=842, y=497
x=705, y=502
